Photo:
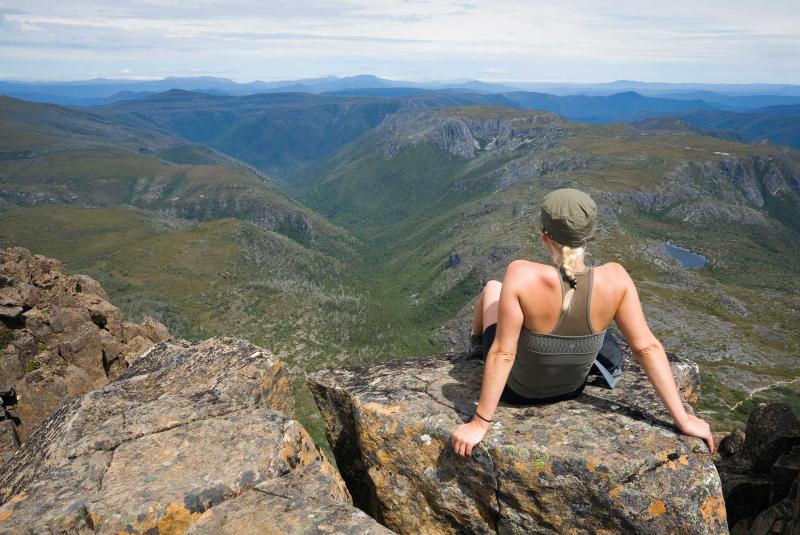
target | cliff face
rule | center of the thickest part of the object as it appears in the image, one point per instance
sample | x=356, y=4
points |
x=59, y=338
x=191, y=438
x=467, y=137
x=606, y=462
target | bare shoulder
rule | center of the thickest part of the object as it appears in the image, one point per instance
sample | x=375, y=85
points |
x=612, y=269
x=613, y=275
x=526, y=272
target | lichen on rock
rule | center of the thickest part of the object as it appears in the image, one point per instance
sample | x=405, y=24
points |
x=609, y=461
x=190, y=436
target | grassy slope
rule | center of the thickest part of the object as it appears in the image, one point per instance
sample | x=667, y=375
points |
x=280, y=133
x=50, y=154
x=225, y=277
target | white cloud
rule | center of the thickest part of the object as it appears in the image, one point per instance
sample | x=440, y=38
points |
x=535, y=40
x=492, y=71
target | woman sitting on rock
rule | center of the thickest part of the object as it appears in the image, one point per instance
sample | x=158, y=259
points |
x=543, y=327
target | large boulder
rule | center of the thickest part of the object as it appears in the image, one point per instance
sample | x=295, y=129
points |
x=761, y=477
x=772, y=430
x=59, y=338
x=609, y=461
x=190, y=437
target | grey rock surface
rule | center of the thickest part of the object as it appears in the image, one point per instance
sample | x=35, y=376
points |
x=609, y=461
x=191, y=435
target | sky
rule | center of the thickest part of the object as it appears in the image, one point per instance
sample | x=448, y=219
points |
x=713, y=41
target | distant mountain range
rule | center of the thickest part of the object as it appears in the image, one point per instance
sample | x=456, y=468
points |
x=102, y=91
x=281, y=133
x=744, y=112
x=775, y=124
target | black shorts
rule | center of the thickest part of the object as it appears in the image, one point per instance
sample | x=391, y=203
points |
x=508, y=395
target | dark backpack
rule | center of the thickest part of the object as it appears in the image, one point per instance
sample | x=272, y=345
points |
x=609, y=361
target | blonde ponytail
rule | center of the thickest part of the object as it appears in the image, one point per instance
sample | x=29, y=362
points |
x=566, y=258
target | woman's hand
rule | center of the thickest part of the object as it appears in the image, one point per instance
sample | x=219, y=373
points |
x=697, y=427
x=467, y=435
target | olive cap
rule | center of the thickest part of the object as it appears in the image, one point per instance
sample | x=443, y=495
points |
x=568, y=217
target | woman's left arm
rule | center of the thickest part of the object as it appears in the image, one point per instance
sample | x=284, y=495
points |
x=498, y=363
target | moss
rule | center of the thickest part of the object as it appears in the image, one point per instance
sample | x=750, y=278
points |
x=540, y=459
x=6, y=335
x=42, y=346
x=515, y=452
x=32, y=366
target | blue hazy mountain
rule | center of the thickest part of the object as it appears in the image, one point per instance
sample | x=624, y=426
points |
x=775, y=124
x=620, y=107
x=101, y=91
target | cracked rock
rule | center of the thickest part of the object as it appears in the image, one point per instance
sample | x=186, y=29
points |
x=191, y=436
x=609, y=461
x=59, y=337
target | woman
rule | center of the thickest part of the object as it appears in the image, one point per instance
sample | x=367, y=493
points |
x=542, y=327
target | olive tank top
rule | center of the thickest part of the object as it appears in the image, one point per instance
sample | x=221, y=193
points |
x=558, y=363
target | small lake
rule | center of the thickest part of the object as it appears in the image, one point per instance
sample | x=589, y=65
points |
x=687, y=258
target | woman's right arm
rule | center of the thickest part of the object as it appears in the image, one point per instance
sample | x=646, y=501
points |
x=651, y=356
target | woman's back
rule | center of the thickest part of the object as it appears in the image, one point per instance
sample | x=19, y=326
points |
x=555, y=363
x=541, y=303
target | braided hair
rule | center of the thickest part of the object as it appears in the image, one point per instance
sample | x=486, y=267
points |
x=566, y=258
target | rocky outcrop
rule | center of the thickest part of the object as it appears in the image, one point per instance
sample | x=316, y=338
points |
x=607, y=462
x=59, y=337
x=738, y=189
x=760, y=471
x=193, y=438
x=465, y=136
x=219, y=203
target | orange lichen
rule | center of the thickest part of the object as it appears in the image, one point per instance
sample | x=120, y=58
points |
x=5, y=514
x=538, y=467
x=614, y=492
x=18, y=498
x=657, y=508
x=176, y=519
x=381, y=409
x=712, y=508
x=384, y=457
x=591, y=465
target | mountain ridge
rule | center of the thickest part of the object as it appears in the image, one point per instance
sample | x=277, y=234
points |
x=81, y=158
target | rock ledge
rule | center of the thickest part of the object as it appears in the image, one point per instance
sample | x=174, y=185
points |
x=606, y=462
